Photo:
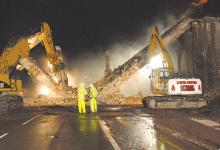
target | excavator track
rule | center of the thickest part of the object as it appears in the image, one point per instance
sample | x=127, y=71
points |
x=174, y=102
x=10, y=102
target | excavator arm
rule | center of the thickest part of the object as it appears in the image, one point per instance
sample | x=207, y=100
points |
x=54, y=55
x=23, y=46
x=156, y=38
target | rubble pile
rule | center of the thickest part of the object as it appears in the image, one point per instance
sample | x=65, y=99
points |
x=116, y=98
x=111, y=99
x=43, y=77
x=47, y=101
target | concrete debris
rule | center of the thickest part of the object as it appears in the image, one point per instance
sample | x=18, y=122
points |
x=111, y=99
x=107, y=63
x=118, y=76
x=48, y=101
x=116, y=98
x=43, y=77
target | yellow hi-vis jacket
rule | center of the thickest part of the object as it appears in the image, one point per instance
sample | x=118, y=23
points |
x=81, y=92
x=93, y=93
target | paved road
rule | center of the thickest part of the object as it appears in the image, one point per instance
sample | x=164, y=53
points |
x=112, y=128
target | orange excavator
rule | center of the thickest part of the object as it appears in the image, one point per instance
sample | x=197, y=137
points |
x=196, y=7
x=199, y=3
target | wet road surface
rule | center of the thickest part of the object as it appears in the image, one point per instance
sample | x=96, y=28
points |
x=114, y=127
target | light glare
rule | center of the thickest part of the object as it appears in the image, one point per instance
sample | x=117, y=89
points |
x=156, y=62
x=44, y=91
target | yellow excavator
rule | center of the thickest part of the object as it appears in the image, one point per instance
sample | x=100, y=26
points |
x=172, y=90
x=159, y=76
x=13, y=58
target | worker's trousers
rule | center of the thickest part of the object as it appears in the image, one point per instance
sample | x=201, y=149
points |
x=81, y=106
x=93, y=105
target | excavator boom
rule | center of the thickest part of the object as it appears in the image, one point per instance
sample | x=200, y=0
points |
x=53, y=55
x=156, y=38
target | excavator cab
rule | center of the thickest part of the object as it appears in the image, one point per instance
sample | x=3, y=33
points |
x=158, y=80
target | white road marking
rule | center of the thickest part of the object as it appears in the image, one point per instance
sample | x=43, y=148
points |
x=24, y=123
x=3, y=135
x=108, y=135
x=209, y=123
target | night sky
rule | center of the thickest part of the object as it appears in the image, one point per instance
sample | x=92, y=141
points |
x=81, y=26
